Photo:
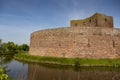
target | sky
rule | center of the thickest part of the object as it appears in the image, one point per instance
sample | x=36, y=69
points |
x=19, y=18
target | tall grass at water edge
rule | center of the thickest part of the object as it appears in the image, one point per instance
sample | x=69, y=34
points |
x=70, y=61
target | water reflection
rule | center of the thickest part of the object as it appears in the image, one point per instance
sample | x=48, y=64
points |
x=4, y=59
x=16, y=70
x=37, y=72
x=19, y=70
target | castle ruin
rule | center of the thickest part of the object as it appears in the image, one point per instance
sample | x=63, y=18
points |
x=93, y=37
x=97, y=20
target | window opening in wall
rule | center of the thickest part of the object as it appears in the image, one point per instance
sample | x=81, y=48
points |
x=83, y=23
x=105, y=20
x=76, y=24
x=59, y=44
x=93, y=33
x=96, y=23
x=81, y=33
x=73, y=41
x=90, y=20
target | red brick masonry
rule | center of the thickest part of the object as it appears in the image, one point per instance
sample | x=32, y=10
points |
x=93, y=37
x=87, y=42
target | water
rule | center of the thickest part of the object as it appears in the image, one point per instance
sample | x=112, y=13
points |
x=19, y=70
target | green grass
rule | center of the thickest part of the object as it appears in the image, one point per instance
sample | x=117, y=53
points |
x=70, y=61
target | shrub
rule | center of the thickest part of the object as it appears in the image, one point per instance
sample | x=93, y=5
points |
x=3, y=76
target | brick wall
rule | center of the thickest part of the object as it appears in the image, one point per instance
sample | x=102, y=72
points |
x=97, y=20
x=94, y=42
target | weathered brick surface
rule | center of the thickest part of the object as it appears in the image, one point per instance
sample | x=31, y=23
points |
x=92, y=37
x=93, y=42
x=97, y=20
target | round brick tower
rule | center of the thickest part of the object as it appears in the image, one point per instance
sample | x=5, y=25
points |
x=88, y=38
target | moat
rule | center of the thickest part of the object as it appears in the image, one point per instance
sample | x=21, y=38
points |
x=20, y=70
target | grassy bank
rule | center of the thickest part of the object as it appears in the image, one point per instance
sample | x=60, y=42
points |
x=69, y=61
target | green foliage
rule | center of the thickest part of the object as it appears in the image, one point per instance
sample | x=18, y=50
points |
x=3, y=76
x=24, y=47
x=77, y=63
x=12, y=48
x=0, y=41
x=70, y=61
x=9, y=48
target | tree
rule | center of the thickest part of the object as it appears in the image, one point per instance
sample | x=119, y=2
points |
x=24, y=47
x=0, y=45
x=11, y=46
x=0, y=42
x=4, y=47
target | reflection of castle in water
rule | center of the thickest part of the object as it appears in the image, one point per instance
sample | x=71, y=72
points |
x=37, y=72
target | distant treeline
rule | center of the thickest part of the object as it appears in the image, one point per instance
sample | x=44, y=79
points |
x=12, y=48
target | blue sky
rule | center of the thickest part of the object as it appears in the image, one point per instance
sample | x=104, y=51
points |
x=19, y=18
